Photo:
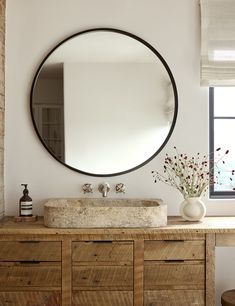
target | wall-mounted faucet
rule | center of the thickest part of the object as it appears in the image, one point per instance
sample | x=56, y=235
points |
x=104, y=189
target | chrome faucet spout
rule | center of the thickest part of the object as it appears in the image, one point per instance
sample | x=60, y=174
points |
x=104, y=189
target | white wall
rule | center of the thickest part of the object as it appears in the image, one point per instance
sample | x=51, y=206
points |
x=34, y=27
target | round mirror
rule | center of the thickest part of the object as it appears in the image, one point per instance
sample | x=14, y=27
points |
x=104, y=102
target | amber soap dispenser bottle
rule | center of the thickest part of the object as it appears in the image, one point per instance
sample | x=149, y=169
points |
x=26, y=204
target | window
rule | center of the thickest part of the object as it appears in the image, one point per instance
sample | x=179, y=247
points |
x=222, y=135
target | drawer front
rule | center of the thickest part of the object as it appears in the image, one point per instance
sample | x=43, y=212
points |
x=174, y=298
x=47, y=298
x=102, y=251
x=30, y=251
x=160, y=275
x=27, y=274
x=102, y=298
x=110, y=277
x=181, y=249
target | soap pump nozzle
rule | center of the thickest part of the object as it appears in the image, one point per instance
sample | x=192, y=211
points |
x=25, y=188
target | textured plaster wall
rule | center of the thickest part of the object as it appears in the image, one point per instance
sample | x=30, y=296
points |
x=2, y=102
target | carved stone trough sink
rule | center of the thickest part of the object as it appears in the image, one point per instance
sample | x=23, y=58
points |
x=98, y=213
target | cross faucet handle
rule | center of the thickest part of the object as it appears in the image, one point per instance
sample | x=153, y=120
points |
x=120, y=188
x=87, y=188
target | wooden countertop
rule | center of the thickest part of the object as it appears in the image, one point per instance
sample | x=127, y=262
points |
x=176, y=225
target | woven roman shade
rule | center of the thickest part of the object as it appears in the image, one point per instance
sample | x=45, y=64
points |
x=217, y=42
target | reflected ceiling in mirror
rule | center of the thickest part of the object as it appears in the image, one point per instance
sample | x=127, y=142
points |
x=104, y=102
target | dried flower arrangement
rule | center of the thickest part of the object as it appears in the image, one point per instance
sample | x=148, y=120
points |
x=190, y=175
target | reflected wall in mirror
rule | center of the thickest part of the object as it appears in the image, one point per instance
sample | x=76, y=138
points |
x=104, y=102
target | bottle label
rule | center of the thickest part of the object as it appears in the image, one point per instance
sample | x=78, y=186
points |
x=26, y=208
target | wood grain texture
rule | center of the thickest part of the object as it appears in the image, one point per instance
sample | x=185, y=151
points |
x=104, y=251
x=174, y=298
x=228, y=298
x=25, y=218
x=138, y=272
x=15, y=274
x=30, y=298
x=175, y=227
x=67, y=272
x=210, y=269
x=103, y=298
x=127, y=251
x=224, y=240
x=112, y=277
x=176, y=249
x=30, y=251
x=177, y=275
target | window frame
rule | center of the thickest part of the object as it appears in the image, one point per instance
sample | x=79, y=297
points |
x=212, y=193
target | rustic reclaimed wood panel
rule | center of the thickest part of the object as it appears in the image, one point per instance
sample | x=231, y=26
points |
x=225, y=240
x=176, y=228
x=113, y=277
x=30, y=251
x=210, y=270
x=174, y=275
x=104, y=251
x=66, y=272
x=139, y=272
x=45, y=298
x=44, y=245
x=102, y=298
x=174, y=298
x=26, y=274
x=176, y=249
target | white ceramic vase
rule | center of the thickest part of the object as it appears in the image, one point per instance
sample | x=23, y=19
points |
x=193, y=209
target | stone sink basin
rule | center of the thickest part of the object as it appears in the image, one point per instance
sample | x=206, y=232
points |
x=98, y=213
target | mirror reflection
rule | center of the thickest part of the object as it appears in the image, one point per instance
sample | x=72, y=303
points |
x=104, y=102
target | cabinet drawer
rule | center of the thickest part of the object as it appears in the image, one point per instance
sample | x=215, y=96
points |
x=102, y=251
x=108, y=277
x=174, y=297
x=30, y=274
x=40, y=298
x=102, y=298
x=174, y=249
x=162, y=275
x=30, y=251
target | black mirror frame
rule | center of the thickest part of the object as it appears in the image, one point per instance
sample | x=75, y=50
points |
x=170, y=76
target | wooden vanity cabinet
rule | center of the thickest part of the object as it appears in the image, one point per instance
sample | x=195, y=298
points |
x=102, y=273
x=174, y=273
x=42, y=266
x=139, y=272
x=30, y=273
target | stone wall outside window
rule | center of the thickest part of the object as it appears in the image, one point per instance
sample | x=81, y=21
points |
x=2, y=102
